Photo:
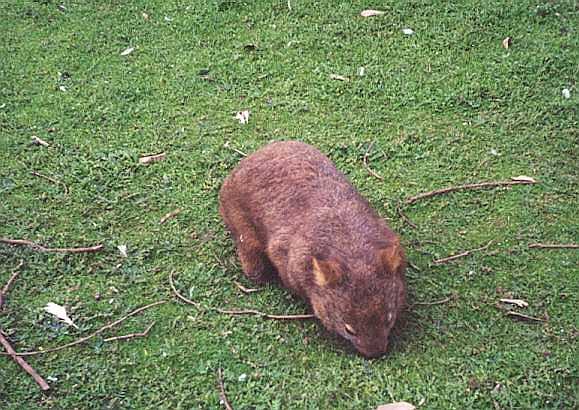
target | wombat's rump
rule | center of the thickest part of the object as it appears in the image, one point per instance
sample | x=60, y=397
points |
x=292, y=213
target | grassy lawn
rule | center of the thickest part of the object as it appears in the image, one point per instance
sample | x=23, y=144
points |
x=445, y=106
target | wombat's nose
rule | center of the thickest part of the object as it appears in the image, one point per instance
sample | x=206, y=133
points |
x=372, y=352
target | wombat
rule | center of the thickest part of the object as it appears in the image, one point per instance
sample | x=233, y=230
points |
x=292, y=214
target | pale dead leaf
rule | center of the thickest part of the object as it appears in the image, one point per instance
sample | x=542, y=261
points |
x=507, y=43
x=59, y=312
x=145, y=16
x=128, y=51
x=361, y=71
x=519, y=302
x=39, y=141
x=169, y=215
x=339, y=77
x=408, y=31
x=152, y=158
x=371, y=13
x=524, y=178
x=242, y=116
x=566, y=93
x=123, y=250
x=402, y=405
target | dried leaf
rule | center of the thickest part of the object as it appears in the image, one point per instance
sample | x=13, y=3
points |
x=242, y=116
x=152, y=158
x=371, y=13
x=524, y=178
x=169, y=215
x=59, y=312
x=408, y=31
x=566, y=93
x=507, y=43
x=39, y=141
x=339, y=77
x=361, y=71
x=123, y=250
x=128, y=51
x=145, y=16
x=519, y=302
x=402, y=405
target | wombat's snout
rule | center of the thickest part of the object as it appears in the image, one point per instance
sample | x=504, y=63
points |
x=373, y=352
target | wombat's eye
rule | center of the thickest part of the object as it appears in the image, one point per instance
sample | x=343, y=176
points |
x=350, y=330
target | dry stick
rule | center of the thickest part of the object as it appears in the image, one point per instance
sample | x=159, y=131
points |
x=39, y=141
x=553, y=246
x=237, y=312
x=226, y=145
x=365, y=161
x=131, y=335
x=169, y=215
x=8, y=347
x=244, y=289
x=41, y=248
x=436, y=302
x=222, y=395
x=460, y=255
x=491, y=184
x=54, y=181
x=93, y=334
x=525, y=317
x=404, y=217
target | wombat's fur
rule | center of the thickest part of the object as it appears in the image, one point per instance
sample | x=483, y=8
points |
x=292, y=213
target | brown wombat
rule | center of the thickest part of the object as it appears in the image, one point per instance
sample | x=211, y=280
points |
x=292, y=213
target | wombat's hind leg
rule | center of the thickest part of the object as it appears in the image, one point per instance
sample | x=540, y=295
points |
x=254, y=262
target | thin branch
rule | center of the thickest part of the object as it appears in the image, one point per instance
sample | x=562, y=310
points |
x=244, y=289
x=170, y=215
x=40, y=248
x=22, y=363
x=131, y=335
x=524, y=317
x=147, y=159
x=365, y=161
x=436, y=302
x=553, y=246
x=8, y=284
x=93, y=334
x=54, y=181
x=460, y=255
x=479, y=185
x=236, y=312
x=226, y=145
x=39, y=141
x=222, y=395
x=404, y=217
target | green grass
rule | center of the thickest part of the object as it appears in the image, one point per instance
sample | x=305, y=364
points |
x=446, y=106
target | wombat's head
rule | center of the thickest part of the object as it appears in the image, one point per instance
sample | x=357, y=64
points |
x=361, y=299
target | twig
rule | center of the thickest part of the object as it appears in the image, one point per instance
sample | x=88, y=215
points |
x=93, y=334
x=524, y=317
x=147, y=159
x=39, y=141
x=41, y=248
x=404, y=217
x=553, y=246
x=237, y=312
x=222, y=395
x=226, y=145
x=460, y=255
x=244, y=289
x=491, y=184
x=54, y=181
x=131, y=335
x=365, y=161
x=170, y=215
x=436, y=302
x=8, y=284
x=22, y=363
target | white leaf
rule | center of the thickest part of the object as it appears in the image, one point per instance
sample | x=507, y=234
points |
x=123, y=250
x=62, y=88
x=566, y=93
x=242, y=116
x=408, y=31
x=128, y=51
x=524, y=178
x=519, y=302
x=59, y=312
x=361, y=71
x=338, y=77
x=371, y=13
x=402, y=405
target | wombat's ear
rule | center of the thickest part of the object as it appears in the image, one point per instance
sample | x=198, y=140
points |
x=392, y=257
x=326, y=272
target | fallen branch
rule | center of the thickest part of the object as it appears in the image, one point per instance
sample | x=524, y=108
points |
x=404, y=217
x=226, y=145
x=222, y=395
x=169, y=215
x=524, y=317
x=147, y=159
x=93, y=334
x=8, y=284
x=365, y=161
x=22, y=363
x=236, y=312
x=436, y=302
x=492, y=184
x=460, y=255
x=553, y=246
x=131, y=335
x=40, y=248
x=244, y=289
x=54, y=181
